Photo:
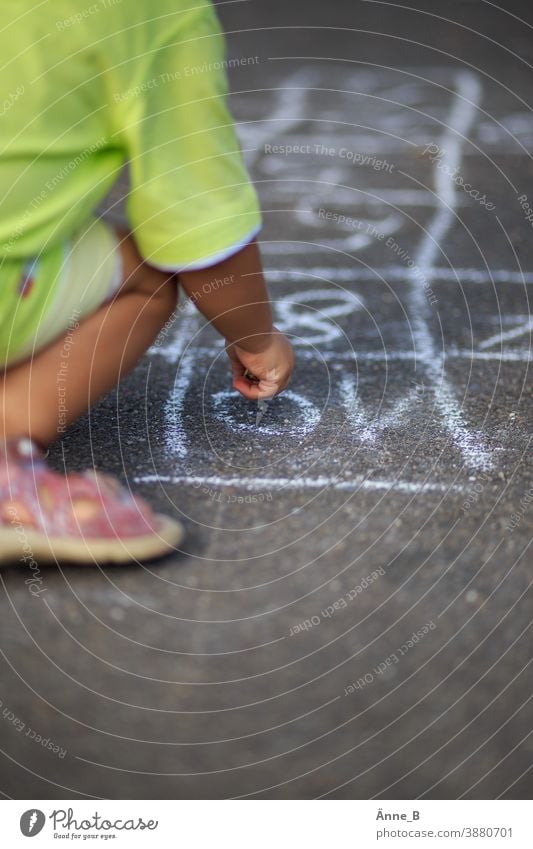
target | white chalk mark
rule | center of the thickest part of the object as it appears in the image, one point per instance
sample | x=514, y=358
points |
x=178, y=351
x=295, y=483
x=171, y=343
x=517, y=124
x=362, y=232
x=359, y=239
x=302, y=421
x=384, y=142
x=459, y=124
x=517, y=355
x=289, y=110
x=312, y=321
x=501, y=320
x=507, y=335
x=522, y=355
x=378, y=141
x=368, y=426
x=398, y=273
x=175, y=432
x=355, y=197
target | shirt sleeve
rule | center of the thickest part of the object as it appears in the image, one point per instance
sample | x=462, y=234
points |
x=191, y=199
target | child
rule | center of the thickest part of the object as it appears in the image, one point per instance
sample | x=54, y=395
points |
x=88, y=88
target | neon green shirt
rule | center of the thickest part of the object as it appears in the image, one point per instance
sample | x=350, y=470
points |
x=86, y=88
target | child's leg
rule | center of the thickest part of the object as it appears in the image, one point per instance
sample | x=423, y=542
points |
x=104, y=347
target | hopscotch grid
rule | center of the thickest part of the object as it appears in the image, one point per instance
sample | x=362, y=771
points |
x=460, y=121
x=347, y=245
x=508, y=335
x=323, y=482
x=289, y=111
x=246, y=127
x=512, y=355
x=474, y=73
x=459, y=276
x=466, y=102
x=512, y=246
x=384, y=146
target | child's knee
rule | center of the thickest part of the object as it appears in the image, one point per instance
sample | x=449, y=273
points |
x=138, y=276
x=161, y=290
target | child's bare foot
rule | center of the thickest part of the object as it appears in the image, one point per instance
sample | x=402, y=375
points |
x=82, y=518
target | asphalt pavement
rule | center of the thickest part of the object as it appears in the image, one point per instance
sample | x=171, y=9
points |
x=349, y=614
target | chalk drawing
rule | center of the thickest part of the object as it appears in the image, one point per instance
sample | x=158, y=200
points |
x=349, y=198
x=306, y=212
x=508, y=335
x=303, y=416
x=288, y=111
x=315, y=316
x=429, y=354
x=397, y=272
x=523, y=355
x=386, y=355
x=302, y=483
x=179, y=351
x=178, y=337
x=517, y=124
x=311, y=320
x=459, y=123
x=374, y=140
x=290, y=107
x=368, y=426
x=514, y=356
x=380, y=141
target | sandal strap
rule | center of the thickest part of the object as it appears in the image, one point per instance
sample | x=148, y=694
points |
x=91, y=504
x=22, y=450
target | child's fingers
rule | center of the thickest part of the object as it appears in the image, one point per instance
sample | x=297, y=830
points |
x=256, y=391
x=239, y=371
x=237, y=368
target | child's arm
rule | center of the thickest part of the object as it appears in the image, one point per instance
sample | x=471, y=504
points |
x=232, y=295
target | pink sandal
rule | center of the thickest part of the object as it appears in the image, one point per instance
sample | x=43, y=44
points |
x=82, y=518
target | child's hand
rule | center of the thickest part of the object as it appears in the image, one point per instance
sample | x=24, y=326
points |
x=272, y=367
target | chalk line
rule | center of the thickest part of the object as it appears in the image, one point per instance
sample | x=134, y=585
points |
x=461, y=118
x=399, y=272
x=368, y=426
x=507, y=335
x=309, y=415
x=360, y=236
x=518, y=356
x=376, y=141
x=513, y=355
x=521, y=355
x=355, y=197
x=289, y=110
x=317, y=318
x=468, y=442
x=303, y=483
x=179, y=351
x=177, y=336
x=383, y=142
